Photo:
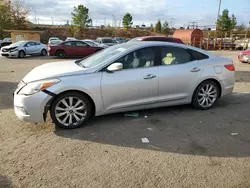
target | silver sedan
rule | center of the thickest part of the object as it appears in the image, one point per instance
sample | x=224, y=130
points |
x=125, y=77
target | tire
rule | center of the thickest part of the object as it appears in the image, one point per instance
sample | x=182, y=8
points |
x=205, y=95
x=65, y=115
x=60, y=54
x=43, y=52
x=21, y=54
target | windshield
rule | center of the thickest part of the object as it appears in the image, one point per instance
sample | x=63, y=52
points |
x=56, y=41
x=103, y=55
x=17, y=43
x=108, y=41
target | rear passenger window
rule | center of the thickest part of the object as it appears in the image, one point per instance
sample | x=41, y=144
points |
x=174, y=55
x=197, y=55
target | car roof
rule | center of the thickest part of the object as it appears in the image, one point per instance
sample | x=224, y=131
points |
x=160, y=43
x=157, y=36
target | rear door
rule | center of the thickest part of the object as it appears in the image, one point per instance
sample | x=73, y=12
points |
x=70, y=48
x=178, y=74
x=83, y=49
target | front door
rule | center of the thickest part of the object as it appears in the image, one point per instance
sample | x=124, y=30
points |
x=83, y=49
x=136, y=84
x=178, y=74
x=30, y=48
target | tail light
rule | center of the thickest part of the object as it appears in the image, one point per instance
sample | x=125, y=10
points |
x=230, y=67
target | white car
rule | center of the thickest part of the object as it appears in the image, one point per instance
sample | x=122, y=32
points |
x=93, y=43
x=23, y=48
x=125, y=77
x=70, y=38
x=52, y=38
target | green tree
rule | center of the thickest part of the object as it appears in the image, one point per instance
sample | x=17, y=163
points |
x=19, y=14
x=165, y=28
x=5, y=18
x=127, y=21
x=225, y=22
x=72, y=30
x=158, y=27
x=152, y=28
x=233, y=22
x=80, y=17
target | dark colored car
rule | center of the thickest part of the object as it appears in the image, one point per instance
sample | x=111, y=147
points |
x=158, y=38
x=244, y=56
x=5, y=42
x=72, y=48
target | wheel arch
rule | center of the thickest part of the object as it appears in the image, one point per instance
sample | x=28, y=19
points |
x=210, y=79
x=77, y=91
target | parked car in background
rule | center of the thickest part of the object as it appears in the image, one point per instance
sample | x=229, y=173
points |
x=244, y=56
x=5, y=42
x=72, y=48
x=54, y=42
x=52, y=38
x=106, y=40
x=158, y=38
x=119, y=39
x=70, y=38
x=23, y=48
x=124, y=77
x=94, y=43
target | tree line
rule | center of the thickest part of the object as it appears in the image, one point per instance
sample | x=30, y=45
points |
x=14, y=16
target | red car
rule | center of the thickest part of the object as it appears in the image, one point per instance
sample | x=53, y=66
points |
x=72, y=48
x=244, y=56
x=158, y=38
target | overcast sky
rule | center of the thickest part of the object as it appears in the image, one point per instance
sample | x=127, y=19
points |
x=179, y=12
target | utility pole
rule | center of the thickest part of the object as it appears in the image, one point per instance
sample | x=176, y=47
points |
x=216, y=27
x=35, y=17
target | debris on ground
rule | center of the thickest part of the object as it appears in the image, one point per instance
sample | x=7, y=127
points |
x=150, y=129
x=145, y=140
x=145, y=117
x=234, y=134
x=134, y=114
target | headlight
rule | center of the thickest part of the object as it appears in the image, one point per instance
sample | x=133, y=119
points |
x=34, y=87
x=13, y=50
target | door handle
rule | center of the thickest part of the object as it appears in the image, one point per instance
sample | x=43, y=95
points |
x=149, y=76
x=195, y=69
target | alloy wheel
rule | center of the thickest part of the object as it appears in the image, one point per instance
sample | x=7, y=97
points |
x=70, y=111
x=207, y=95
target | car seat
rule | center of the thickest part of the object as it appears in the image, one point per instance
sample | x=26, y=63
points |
x=169, y=59
x=136, y=61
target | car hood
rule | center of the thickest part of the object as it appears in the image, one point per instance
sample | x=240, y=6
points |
x=247, y=52
x=53, y=70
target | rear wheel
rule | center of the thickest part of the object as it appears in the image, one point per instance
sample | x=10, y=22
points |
x=21, y=54
x=71, y=110
x=205, y=95
x=61, y=54
x=43, y=52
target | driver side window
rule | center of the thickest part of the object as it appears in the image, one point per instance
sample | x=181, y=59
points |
x=142, y=58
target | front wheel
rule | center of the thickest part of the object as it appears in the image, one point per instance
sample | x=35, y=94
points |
x=205, y=95
x=71, y=110
x=21, y=54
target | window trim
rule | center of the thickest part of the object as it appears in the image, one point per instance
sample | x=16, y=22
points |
x=74, y=44
x=104, y=69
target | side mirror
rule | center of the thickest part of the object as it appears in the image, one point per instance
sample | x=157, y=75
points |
x=115, y=67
